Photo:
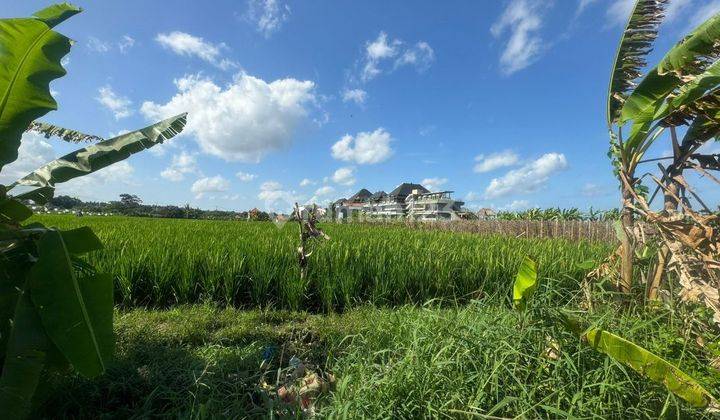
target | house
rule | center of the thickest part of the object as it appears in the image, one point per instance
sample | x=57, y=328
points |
x=486, y=214
x=407, y=200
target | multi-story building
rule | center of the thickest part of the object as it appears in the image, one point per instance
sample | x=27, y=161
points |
x=407, y=200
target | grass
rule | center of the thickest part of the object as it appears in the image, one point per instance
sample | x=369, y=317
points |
x=408, y=362
x=161, y=262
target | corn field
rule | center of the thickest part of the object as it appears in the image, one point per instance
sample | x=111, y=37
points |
x=159, y=262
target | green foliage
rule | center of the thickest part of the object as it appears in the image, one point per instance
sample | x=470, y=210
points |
x=30, y=61
x=525, y=283
x=644, y=362
x=406, y=362
x=162, y=262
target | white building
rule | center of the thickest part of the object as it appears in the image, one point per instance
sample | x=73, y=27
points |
x=412, y=201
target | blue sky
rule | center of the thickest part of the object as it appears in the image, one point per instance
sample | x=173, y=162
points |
x=500, y=101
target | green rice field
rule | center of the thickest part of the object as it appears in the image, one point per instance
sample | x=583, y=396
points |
x=163, y=262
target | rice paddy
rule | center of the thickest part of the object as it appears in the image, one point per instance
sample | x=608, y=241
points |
x=162, y=262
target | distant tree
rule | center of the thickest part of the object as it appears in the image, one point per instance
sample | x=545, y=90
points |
x=130, y=200
x=65, y=202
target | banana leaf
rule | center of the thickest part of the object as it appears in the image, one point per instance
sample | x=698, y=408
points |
x=687, y=58
x=525, y=283
x=639, y=34
x=644, y=362
x=66, y=134
x=100, y=155
x=30, y=60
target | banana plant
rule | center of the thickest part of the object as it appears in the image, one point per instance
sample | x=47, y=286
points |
x=525, y=283
x=644, y=362
x=55, y=310
x=681, y=89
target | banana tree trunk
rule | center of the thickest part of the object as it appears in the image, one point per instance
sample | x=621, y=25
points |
x=628, y=252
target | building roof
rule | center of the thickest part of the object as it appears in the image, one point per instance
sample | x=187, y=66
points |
x=406, y=188
x=361, y=195
x=378, y=196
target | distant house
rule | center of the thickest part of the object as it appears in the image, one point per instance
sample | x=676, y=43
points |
x=407, y=200
x=486, y=214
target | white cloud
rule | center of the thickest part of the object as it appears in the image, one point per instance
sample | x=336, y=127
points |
x=365, y=148
x=268, y=16
x=275, y=197
x=494, y=161
x=433, y=184
x=245, y=177
x=187, y=45
x=527, y=178
x=516, y=205
x=101, y=185
x=307, y=182
x=96, y=45
x=704, y=13
x=183, y=163
x=427, y=130
x=209, y=184
x=473, y=196
x=522, y=19
x=117, y=104
x=382, y=49
x=344, y=176
x=619, y=12
x=354, y=95
x=34, y=152
x=244, y=121
x=421, y=55
x=322, y=195
x=126, y=43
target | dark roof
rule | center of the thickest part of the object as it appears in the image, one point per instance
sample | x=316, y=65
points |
x=378, y=195
x=339, y=201
x=406, y=188
x=361, y=195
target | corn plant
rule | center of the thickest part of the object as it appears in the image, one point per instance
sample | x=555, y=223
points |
x=55, y=309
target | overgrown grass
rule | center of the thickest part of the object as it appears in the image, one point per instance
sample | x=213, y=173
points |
x=161, y=262
x=410, y=362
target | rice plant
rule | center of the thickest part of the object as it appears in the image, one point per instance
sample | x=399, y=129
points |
x=249, y=264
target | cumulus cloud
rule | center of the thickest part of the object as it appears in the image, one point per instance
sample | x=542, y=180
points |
x=307, y=182
x=117, y=104
x=528, y=178
x=209, y=184
x=494, y=161
x=104, y=184
x=268, y=16
x=33, y=153
x=243, y=121
x=433, y=184
x=383, y=49
x=182, y=164
x=275, y=197
x=245, y=177
x=522, y=20
x=187, y=45
x=365, y=148
x=344, y=176
x=354, y=95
